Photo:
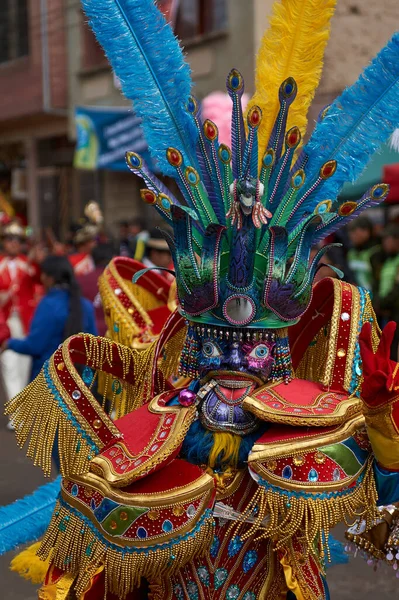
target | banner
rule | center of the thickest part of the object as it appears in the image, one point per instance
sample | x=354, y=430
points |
x=104, y=135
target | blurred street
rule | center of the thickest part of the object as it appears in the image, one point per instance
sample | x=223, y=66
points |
x=355, y=581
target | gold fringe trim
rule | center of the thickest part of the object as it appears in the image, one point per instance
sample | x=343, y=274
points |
x=38, y=418
x=282, y=516
x=76, y=549
x=29, y=565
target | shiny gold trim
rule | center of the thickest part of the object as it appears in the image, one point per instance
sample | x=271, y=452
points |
x=172, y=495
x=299, y=486
x=353, y=335
x=103, y=466
x=148, y=542
x=85, y=392
x=332, y=345
x=232, y=487
x=297, y=445
x=346, y=408
x=124, y=285
x=76, y=548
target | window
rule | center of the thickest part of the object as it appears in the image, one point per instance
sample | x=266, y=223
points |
x=14, y=30
x=194, y=18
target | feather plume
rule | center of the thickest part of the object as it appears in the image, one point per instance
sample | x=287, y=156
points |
x=292, y=47
x=357, y=123
x=394, y=141
x=25, y=520
x=148, y=61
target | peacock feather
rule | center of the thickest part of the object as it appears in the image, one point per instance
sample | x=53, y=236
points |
x=247, y=217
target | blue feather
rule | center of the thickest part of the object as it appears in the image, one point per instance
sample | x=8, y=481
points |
x=148, y=60
x=27, y=519
x=337, y=552
x=356, y=125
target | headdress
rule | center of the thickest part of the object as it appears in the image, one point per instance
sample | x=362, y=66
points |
x=13, y=229
x=89, y=224
x=248, y=215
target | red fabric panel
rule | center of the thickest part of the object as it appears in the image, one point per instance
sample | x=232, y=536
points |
x=176, y=474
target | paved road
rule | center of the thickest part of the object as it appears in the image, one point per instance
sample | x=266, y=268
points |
x=18, y=477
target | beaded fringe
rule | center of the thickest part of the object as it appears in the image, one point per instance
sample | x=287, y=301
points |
x=281, y=515
x=75, y=548
x=38, y=419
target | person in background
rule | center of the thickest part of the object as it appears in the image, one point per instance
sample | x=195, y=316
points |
x=360, y=256
x=124, y=245
x=387, y=295
x=61, y=312
x=84, y=240
x=138, y=236
x=19, y=281
x=101, y=255
x=157, y=253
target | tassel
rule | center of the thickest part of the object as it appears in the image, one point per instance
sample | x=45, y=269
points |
x=282, y=514
x=77, y=547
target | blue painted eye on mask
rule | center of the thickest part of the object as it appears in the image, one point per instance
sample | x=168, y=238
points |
x=210, y=356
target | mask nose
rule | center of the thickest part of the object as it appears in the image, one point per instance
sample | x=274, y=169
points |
x=233, y=358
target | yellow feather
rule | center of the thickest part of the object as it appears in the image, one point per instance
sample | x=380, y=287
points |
x=226, y=446
x=293, y=46
x=29, y=565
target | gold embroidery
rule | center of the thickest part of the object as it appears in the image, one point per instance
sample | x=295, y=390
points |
x=300, y=444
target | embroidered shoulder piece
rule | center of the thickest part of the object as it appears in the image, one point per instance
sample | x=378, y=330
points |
x=150, y=438
x=155, y=526
x=309, y=480
x=131, y=309
x=301, y=402
x=324, y=344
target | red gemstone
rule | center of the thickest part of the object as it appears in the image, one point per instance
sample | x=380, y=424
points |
x=149, y=197
x=328, y=169
x=210, y=131
x=346, y=209
x=174, y=157
x=293, y=138
x=255, y=117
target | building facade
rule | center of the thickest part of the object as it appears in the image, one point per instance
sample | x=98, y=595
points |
x=35, y=153
x=50, y=63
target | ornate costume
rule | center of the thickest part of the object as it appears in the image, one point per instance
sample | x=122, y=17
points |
x=228, y=487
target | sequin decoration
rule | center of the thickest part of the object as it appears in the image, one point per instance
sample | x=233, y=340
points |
x=87, y=375
x=235, y=546
x=250, y=559
x=192, y=590
x=233, y=592
x=336, y=475
x=220, y=577
x=167, y=526
x=142, y=533
x=287, y=472
x=203, y=575
x=215, y=547
x=178, y=591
